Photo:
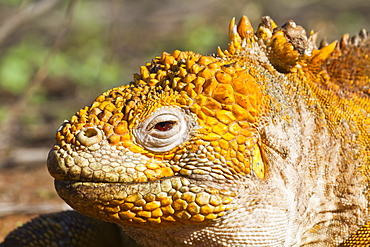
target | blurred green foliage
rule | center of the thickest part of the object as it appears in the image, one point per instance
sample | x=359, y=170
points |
x=12, y=2
x=19, y=63
x=108, y=40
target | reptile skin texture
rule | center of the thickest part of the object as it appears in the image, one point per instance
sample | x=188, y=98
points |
x=264, y=144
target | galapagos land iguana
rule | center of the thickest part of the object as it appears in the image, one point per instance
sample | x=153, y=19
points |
x=264, y=144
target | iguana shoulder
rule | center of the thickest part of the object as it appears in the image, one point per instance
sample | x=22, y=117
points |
x=264, y=144
x=67, y=228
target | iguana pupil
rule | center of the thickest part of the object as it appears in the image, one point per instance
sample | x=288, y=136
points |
x=164, y=126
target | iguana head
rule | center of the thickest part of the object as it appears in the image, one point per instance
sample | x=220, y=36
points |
x=140, y=153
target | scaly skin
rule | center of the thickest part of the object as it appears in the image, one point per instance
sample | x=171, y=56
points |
x=264, y=144
x=67, y=228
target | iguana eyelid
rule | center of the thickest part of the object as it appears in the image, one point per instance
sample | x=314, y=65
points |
x=163, y=141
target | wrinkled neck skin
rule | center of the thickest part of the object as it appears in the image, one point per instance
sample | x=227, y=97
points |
x=317, y=175
x=312, y=195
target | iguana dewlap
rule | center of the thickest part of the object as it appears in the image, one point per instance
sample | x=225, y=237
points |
x=264, y=144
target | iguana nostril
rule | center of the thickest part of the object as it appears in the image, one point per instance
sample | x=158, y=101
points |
x=89, y=136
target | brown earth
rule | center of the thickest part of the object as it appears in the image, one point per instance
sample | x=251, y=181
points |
x=25, y=192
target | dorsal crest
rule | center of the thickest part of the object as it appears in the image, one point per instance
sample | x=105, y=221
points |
x=287, y=47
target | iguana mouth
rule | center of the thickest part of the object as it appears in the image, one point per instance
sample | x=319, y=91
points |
x=165, y=200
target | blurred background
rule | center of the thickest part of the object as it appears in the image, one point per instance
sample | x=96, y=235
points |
x=57, y=56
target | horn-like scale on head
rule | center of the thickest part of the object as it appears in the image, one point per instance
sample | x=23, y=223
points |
x=287, y=47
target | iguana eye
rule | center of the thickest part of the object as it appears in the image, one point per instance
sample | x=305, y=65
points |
x=164, y=126
x=164, y=129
